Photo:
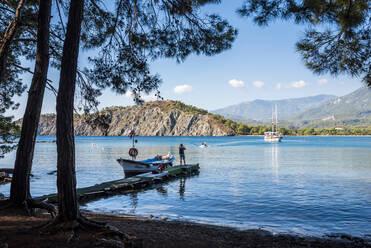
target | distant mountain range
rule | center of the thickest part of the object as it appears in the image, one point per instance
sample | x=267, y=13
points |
x=351, y=109
x=261, y=110
x=316, y=111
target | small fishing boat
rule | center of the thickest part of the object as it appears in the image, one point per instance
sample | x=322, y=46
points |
x=274, y=135
x=154, y=165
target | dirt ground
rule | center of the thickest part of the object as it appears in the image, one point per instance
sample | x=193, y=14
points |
x=20, y=231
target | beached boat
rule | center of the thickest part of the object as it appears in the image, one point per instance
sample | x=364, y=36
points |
x=156, y=164
x=274, y=135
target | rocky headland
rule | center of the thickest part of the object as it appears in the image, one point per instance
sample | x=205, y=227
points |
x=158, y=118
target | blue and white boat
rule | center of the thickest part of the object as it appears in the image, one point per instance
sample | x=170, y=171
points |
x=156, y=164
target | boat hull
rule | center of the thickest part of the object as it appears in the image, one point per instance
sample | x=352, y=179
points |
x=273, y=139
x=132, y=167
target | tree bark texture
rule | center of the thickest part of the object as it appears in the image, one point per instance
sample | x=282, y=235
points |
x=66, y=174
x=8, y=37
x=20, y=187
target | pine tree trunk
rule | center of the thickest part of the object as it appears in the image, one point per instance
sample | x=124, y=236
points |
x=66, y=175
x=8, y=37
x=20, y=187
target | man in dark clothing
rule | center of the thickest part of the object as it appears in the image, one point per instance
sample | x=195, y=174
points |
x=181, y=154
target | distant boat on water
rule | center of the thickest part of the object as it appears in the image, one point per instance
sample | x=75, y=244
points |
x=274, y=135
x=203, y=145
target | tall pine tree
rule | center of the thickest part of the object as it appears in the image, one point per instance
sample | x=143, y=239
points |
x=128, y=36
x=20, y=187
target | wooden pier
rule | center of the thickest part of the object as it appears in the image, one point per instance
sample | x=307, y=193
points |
x=127, y=185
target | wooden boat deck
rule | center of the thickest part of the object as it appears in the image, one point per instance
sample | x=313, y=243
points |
x=126, y=185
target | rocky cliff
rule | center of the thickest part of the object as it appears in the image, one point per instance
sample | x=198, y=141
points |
x=159, y=118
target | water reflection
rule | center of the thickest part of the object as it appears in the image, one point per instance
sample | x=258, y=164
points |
x=272, y=158
x=182, y=188
x=275, y=156
x=162, y=190
x=133, y=202
x=275, y=160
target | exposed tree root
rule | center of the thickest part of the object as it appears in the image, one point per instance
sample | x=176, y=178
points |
x=73, y=236
x=28, y=207
x=47, y=228
x=104, y=234
x=17, y=209
x=93, y=223
x=43, y=205
x=5, y=204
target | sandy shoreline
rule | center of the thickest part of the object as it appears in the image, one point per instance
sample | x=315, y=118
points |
x=20, y=231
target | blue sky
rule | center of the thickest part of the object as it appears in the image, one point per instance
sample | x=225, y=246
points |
x=262, y=64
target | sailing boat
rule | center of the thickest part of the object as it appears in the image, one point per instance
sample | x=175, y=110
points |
x=274, y=135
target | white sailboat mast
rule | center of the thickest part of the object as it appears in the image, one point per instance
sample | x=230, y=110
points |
x=276, y=120
x=272, y=121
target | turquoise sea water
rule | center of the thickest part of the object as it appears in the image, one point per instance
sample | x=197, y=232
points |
x=304, y=185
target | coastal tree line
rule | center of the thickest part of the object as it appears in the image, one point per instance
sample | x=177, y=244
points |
x=126, y=35
x=243, y=129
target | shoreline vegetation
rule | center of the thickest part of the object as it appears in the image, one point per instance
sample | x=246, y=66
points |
x=20, y=231
x=244, y=129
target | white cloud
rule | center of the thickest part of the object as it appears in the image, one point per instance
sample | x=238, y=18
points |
x=298, y=84
x=236, y=83
x=180, y=89
x=278, y=86
x=129, y=93
x=322, y=81
x=258, y=84
x=149, y=97
x=145, y=97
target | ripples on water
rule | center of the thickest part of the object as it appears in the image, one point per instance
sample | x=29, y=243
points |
x=306, y=185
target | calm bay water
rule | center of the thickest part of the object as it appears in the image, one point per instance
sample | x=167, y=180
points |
x=305, y=185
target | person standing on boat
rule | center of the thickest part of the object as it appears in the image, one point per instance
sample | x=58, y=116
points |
x=181, y=154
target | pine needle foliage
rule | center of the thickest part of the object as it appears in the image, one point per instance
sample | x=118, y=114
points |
x=9, y=131
x=338, y=38
x=131, y=34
